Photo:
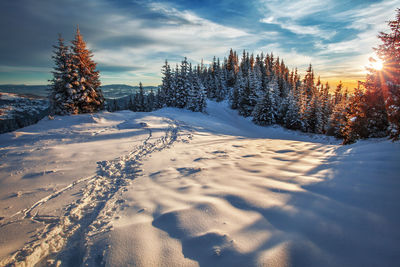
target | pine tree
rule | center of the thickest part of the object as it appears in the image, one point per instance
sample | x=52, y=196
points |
x=192, y=92
x=230, y=67
x=247, y=98
x=326, y=108
x=160, y=99
x=236, y=92
x=308, y=92
x=141, y=104
x=389, y=53
x=223, y=88
x=151, y=101
x=167, y=90
x=308, y=83
x=175, y=87
x=356, y=125
x=85, y=86
x=375, y=112
x=60, y=101
x=292, y=119
x=182, y=84
x=315, y=121
x=338, y=120
x=197, y=95
x=255, y=81
x=338, y=93
x=265, y=112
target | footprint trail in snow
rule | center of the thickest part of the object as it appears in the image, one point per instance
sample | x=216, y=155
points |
x=89, y=215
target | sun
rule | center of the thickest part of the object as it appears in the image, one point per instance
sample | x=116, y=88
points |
x=376, y=64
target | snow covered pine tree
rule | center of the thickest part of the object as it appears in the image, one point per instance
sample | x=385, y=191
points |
x=60, y=102
x=75, y=86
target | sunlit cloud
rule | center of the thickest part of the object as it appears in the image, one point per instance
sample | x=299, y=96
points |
x=288, y=15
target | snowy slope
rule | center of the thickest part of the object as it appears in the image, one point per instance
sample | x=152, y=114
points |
x=176, y=188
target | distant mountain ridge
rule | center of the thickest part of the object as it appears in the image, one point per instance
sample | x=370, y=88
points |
x=109, y=91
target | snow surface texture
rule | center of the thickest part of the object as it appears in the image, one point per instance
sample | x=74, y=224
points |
x=177, y=188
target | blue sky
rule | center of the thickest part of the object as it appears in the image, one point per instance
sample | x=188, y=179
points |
x=131, y=39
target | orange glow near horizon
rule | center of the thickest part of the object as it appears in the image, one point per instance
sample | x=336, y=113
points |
x=350, y=84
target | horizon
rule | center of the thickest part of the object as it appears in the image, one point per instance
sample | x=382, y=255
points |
x=131, y=40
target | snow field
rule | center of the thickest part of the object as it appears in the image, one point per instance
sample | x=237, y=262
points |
x=177, y=188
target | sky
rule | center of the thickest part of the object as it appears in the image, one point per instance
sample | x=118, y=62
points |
x=131, y=39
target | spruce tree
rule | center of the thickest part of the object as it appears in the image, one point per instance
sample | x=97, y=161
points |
x=326, y=107
x=316, y=120
x=338, y=119
x=182, y=84
x=167, y=90
x=236, y=91
x=308, y=83
x=141, y=102
x=160, y=99
x=389, y=53
x=230, y=67
x=151, y=101
x=192, y=92
x=356, y=125
x=338, y=93
x=59, y=97
x=247, y=98
x=85, y=85
x=292, y=119
x=265, y=112
x=197, y=95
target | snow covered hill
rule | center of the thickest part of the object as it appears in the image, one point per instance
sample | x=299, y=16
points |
x=177, y=188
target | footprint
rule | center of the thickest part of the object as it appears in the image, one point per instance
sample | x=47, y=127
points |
x=219, y=152
x=188, y=171
x=199, y=159
x=281, y=159
x=251, y=156
x=284, y=151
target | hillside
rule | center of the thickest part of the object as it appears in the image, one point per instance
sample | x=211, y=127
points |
x=177, y=188
x=109, y=90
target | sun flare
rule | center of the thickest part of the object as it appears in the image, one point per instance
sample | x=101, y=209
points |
x=376, y=64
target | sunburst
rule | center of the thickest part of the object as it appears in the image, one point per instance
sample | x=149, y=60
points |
x=376, y=64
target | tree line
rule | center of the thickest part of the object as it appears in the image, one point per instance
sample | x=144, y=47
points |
x=263, y=88
x=258, y=86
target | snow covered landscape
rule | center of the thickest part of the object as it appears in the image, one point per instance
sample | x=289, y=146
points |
x=200, y=133
x=178, y=188
x=18, y=111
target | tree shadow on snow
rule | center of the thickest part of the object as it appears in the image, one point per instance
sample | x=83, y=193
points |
x=351, y=218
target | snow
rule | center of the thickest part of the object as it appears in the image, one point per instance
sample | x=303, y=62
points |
x=12, y=104
x=177, y=188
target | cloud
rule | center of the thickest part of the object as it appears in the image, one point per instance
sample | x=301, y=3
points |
x=131, y=37
x=354, y=53
x=290, y=15
x=296, y=9
x=197, y=38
